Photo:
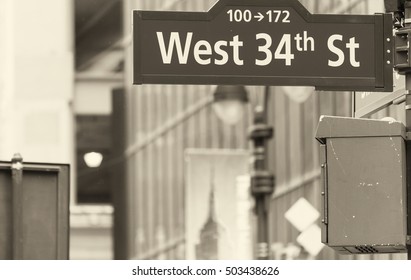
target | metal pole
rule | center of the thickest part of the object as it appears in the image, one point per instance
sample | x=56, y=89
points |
x=262, y=228
x=408, y=159
x=407, y=10
x=17, y=197
x=262, y=180
x=401, y=10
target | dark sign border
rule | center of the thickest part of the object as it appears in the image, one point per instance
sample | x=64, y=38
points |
x=381, y=81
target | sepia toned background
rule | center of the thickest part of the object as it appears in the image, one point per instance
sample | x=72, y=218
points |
x=66, y=91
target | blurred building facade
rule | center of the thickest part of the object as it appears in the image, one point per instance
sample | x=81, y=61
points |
x=163, y=121
x=66, y=90
x=36, y=80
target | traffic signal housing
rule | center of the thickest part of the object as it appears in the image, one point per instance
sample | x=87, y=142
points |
x=363, y=185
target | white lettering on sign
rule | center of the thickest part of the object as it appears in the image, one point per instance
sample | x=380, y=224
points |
x=218, y=50
x=239, y=15
x=236, y=44
x=265, y=49
x=202, y=51
x=352, y=46
x=286, y=49
x=280, y=16
x=199, y=51
x=306, y=40
x=274, y=16
x=283, y=50
x=174, y=40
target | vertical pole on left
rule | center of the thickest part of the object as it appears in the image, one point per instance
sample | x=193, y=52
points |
x=17, y=206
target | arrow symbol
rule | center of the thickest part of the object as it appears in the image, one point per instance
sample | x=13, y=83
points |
x=260, y=16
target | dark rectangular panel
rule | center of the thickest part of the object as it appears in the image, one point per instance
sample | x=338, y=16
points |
x=45, y=211
x=40, y=215
x=366, y=187
x=5, y=215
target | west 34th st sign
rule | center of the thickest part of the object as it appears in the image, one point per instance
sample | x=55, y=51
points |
x=263, y=42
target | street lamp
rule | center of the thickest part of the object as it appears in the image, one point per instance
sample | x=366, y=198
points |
x=229, y=103
x=262, y=180
x=93, y=159
x=298, y=94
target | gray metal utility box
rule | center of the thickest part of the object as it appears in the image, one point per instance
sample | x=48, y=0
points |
x=363, y=185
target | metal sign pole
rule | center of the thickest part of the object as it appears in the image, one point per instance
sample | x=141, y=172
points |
x=407, y=10
x=262, y=180
x=401, y=10
x=17, y=194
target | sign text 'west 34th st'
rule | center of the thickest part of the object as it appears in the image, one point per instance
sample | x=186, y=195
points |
x=263, y=42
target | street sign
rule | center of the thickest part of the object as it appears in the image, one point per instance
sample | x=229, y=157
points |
x=34, y=211
x=263, y=42
x=302, y=215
